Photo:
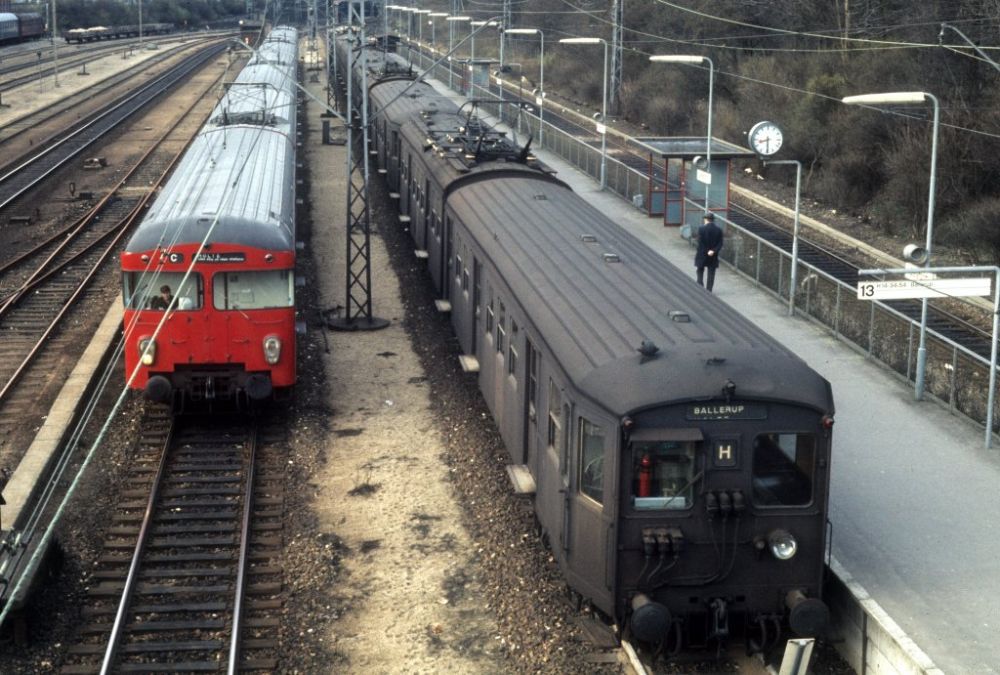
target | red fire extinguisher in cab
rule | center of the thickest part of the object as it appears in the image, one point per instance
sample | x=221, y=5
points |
x=645, y=476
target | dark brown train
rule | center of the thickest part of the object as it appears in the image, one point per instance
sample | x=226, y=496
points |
x=679, y=456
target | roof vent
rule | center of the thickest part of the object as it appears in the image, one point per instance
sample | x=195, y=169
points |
x=648, y=350
x=679, y=316
x=541, y=198
x=611, y=258
x=589, y=238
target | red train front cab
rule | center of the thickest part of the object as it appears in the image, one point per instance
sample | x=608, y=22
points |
x=228, y=329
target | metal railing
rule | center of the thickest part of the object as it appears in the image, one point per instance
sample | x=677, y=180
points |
x=956, y=376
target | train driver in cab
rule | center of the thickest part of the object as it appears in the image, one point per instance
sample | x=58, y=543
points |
x=163, y=300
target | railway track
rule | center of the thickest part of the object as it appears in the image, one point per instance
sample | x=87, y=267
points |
x=28, y=174
x=190, y=577
x=35, y=120
x=47, y=286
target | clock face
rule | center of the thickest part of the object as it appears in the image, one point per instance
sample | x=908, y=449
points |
x=765, y=138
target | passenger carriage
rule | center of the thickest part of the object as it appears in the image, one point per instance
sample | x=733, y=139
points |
x=678, y=456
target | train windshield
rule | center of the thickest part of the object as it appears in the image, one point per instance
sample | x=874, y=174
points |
x=783, y=466
x=156, y=290
x=253, y=290
x=662, y=474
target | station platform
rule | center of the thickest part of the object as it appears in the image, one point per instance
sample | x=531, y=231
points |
x=914, y=493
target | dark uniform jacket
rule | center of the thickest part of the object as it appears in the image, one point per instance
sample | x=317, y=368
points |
x=709, y=239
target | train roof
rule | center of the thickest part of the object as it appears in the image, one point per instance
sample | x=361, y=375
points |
x=261, y=93
x=596, y=293
x=462, y=145
x=259, y=211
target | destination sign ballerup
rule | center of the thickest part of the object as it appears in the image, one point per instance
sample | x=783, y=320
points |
x=727, y=411
x=904, y=289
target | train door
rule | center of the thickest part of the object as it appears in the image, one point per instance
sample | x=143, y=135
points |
x=424, y=213
x=552, y=496
x=395, y=162
x=496, y=364
x=446, y=261
x=512, y=377
x=530, y=454
x=405, y=185
x=485, y=354
x=592, y=505
x=477, y=280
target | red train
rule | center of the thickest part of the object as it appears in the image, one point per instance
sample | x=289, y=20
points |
x=209, y=275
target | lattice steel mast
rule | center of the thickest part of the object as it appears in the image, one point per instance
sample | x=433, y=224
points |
x=358, y=305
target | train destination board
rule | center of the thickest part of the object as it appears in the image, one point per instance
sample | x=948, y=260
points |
x=903, y=289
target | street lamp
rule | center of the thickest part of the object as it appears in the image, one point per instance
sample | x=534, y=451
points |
x=540, y=96
x=906, y=98
x=683, y=58
x=420, y=13
x=602, y=127
x=451, y=43
x=983, y=55
x=432, y=16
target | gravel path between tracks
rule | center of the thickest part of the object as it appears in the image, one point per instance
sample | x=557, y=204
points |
x=407, y=551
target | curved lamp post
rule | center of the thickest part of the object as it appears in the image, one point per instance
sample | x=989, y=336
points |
x=909, y=98
x=602, y=127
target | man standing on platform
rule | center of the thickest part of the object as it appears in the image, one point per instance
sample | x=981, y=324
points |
x=709, y=245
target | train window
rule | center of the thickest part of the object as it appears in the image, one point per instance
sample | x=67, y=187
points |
x=555, y=417
x=501, y=323
x=533, y=357
x=253, y=290
x=465, y=278
x=512, y=354
x=662, y=474
x=591, y=460
x=783, y=469
x=142, y=290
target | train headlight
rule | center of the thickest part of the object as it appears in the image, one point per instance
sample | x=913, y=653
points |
x=147, y=351
x=782, y=544
x=272, y=349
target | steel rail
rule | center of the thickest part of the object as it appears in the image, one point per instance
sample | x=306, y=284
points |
x=70, y=234
x=244, y=556
x=120, y=229
x=118, y=626
x=67, y=306
x=29, y=120
x=140, y=98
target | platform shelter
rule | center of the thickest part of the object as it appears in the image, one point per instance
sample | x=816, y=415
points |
x=674, y=178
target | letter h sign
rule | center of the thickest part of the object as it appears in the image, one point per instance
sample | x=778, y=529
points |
x=724, y=455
